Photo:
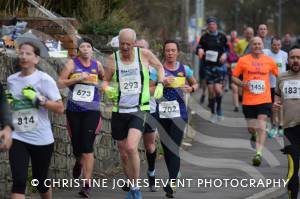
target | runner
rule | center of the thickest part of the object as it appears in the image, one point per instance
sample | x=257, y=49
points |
x=5, y=122
x=287, y=98
x=255, y=68
x=32, y=93
x=262, y=32
x=242, y=46
x=172, y=111
x=82, y=75
x=150, y=131
x=128, y=69
x=212, y=49
x=280, y=57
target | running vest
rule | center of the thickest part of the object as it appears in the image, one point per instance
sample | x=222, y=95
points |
x=174, y=94
x=84, y=96
x=132, y=83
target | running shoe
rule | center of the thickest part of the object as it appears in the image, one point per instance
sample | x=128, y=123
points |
x=152, y=183
x=126, y=187
x=170, y=190
x=213, y=118
x=85, y=192
x=256, y=161
x=135, y=194
x=272, y=132
x=220, y=115
x=236, y=109
x=77, y=169
x=280, y=132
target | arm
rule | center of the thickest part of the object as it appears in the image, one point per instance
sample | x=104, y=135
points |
x=101, y=70
x=54, y=106
x=193, y=85
x=153, y=61
x=5, y=120
x=238, y=70
x=63, y=80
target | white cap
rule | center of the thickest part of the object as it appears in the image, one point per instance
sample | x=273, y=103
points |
x=114, y=42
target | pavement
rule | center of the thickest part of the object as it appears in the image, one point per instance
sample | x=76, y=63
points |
x=215, y=165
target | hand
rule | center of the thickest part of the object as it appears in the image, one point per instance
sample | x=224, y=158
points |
x=5, y=139
x=169, y=80
x=187, y=89
x=9, y=97
x=223, y=58
x=276, y=106
x=83, y=76
x=30, y=93
x=201, y=53
x=111, y=93
x=245, y=85
x=159, y=91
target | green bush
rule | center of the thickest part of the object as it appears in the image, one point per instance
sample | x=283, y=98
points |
x=109, y=26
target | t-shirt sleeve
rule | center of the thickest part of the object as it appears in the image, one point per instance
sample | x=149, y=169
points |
x=274, y=68
x=238, y=70
x=188, y=72
x=153, y=74
x=51, y=89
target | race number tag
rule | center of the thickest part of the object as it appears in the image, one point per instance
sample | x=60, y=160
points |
x=211, y=56
x=257, y=86
x=291, y=89
x=83, y=93
x=169, y=109
x=130, y=80
x=25, y=120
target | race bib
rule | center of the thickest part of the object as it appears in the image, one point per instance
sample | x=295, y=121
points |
x=83, y=93
x=130, y=81
x=257, y=86
x=169, y=109
x=211, y=56
x=25, y=120
x=291, y=89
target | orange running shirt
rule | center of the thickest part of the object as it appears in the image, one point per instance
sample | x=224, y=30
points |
x=257, y=73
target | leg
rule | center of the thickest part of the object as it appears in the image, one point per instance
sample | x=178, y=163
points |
x=219, y=92
x=149, y=142
x=133, y=139
x=235, y=95
x=124, y=157
x=19, y=160
x=261, y=132
x=40, y=160
x=90, y=124
x=211, y=98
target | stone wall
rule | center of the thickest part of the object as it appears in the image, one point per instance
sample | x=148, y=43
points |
x=106, y=153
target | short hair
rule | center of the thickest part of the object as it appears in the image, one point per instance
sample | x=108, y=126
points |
x=171, y=41
x=275, y=38
x=36, y=49
x=84, y=40
x=293, y=48
x=122, y=31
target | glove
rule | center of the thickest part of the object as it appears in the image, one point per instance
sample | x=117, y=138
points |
x=111, y=93
x=29, y=93
x=9, y=97
x=159, y=91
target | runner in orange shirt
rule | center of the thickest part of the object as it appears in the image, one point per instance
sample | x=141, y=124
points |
x=256, y=68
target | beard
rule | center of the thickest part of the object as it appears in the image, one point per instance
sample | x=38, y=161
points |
x=295, y=68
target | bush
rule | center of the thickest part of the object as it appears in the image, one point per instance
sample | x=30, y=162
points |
x=109, y=26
